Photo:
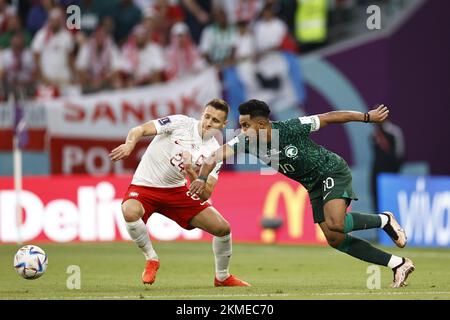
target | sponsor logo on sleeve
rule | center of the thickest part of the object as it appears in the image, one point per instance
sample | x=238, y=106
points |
x=164, y=121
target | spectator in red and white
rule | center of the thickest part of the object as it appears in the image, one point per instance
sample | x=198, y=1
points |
x=241, y=10
x=182, y=56
x=158, y=16
x=143, y=60
x=164, y=13
x=169, y=9
x=152, y=23
x=218, y=40
x=98, y=62
x=271, y=33
x=246, y=48
x=245, y=54
x=17, y=67
x=14, y=24
x=53, y=48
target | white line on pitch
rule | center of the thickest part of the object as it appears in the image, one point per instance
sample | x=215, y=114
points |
x=268, y=295
x=251, y=295
x=380, y=293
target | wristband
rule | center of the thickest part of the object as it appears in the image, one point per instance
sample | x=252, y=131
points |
x=202, y=178
x=366, y=117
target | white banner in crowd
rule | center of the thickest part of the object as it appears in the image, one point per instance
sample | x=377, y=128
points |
x=110, y=115
x=84, y=130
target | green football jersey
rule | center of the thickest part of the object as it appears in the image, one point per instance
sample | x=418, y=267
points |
x=295, y=155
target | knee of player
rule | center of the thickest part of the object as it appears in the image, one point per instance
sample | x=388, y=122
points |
x=223, y=230
x=333, y=242
x=335, y=225
x=131, y=212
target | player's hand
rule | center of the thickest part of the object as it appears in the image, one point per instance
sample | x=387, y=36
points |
x=197, y=186
x=379, y=114
x=121, y=152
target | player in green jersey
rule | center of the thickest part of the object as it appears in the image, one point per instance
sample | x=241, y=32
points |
x=287, y=147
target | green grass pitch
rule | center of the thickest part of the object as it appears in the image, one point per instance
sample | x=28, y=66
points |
x=113, y=270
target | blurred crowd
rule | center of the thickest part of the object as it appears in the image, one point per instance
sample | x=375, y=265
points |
x=129, y=43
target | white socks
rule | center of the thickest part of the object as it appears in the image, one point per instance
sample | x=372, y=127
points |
x=384, y=220
x=221, y=247
x=222, y=254
x=138, y=232
x=395, y=262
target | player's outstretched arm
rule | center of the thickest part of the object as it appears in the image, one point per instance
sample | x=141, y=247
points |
x=136, y=133
x=376, y=115
x=197, y=186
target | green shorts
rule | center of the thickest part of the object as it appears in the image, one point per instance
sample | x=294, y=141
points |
x=335, y=185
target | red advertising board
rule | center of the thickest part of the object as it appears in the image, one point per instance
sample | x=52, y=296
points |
x=36, y=139
x=81, y=156
x=86, y=208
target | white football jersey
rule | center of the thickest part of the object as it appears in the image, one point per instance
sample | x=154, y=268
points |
x=161, y=165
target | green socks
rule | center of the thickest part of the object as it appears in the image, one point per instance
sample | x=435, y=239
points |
x=360, y=248
x=363, y=250
x=361, y=221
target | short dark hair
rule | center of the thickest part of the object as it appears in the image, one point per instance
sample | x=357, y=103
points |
x=219, y=104
x=255, y=108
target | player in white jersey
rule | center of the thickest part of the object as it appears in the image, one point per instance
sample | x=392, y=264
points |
x=159, y=184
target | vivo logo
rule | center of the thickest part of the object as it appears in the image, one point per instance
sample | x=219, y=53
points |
x=425, y=217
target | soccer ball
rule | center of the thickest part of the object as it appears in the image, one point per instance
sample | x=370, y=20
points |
x=30, y=262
